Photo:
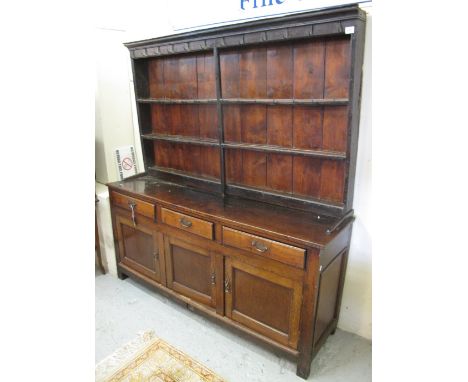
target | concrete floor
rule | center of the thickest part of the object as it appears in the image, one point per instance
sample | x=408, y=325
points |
x=126, y=307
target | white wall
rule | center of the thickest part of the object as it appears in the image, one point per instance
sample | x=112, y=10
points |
x=116, y=126
x=356, y=307
x=114, y=118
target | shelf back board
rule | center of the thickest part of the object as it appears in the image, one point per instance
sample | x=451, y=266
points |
x=267, y=110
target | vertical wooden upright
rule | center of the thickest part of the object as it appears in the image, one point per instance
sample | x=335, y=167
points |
x=219, y=109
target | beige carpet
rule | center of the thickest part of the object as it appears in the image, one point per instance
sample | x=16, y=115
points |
x=148, y=358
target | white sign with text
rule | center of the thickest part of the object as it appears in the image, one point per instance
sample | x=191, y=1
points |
x=126, y=161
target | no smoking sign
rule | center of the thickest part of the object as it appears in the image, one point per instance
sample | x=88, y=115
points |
x=126, y=162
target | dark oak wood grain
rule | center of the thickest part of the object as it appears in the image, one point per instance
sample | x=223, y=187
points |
x=279, y=172
x=308, y=313
x=332, y=180
x=198, y=160
x=253, y=120
x=254, y=169
x=337, y=63
x=140, y=207
x=208, y=121
x=234, y=166
x=279, y=68
x=189, y=270
x=264, y=247
x=156, y=78
x=205, y=76
x=230, y=74
x=307, y=175
x=159, y=123
x=309, y=69
x=328, y=292
x=249, y=138
x=335, y=128
x=252, y=63
x=263, y=301
x=187, y=223
x=316, y=69
x=280, y=126
x=307, y=127
x=140, y=247
x=232, y=123
x=290, y=226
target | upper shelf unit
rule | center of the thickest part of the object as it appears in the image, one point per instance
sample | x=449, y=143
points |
x=266, y=110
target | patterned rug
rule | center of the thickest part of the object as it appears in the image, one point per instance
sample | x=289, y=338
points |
x=148, y=358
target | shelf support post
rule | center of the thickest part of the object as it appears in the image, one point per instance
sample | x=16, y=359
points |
x=219, y=108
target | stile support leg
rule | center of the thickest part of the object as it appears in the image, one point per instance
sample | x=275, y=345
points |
x=303, y=365
x=121, y=275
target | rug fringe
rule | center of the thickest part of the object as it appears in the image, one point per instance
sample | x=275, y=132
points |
x=111, y=363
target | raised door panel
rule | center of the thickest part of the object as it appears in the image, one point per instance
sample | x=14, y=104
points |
x=328, y=293
x=191, y=271
x=263, y=301
x=141, y=248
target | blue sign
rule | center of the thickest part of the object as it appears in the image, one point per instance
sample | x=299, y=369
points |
x=190, y=15
x=264, y=3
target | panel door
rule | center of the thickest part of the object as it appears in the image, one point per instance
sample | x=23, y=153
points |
x=191, y=271
x=141, y=248
x=263, y=301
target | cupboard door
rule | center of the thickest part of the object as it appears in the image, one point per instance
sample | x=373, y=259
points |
x=263, y=301
x=191, y=271
x=141, y=248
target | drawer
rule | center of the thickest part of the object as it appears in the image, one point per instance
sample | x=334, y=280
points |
x=187, y=223
x=140, y=207
x=264, y=247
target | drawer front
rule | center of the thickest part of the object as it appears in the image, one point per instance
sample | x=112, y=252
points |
x=187, y=223
x=264, y=247
x=140, y=207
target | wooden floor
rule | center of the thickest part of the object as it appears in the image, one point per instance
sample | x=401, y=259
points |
x=124, y=308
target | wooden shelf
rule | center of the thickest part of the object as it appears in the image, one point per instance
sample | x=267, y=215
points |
x=183, y=174
x=172, y=101
x=288, y=199
x=288, y=101
x=249, y=101
x=246, y=146
x=285, y=150
x=181, y=139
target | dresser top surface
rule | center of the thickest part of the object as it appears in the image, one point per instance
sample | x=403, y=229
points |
x=303, y=228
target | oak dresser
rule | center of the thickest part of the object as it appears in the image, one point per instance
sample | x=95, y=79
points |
x=244, y=212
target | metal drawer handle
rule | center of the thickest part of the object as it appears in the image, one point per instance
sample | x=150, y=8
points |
x=259, y=246
x=132, y=206
x=185, y=223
